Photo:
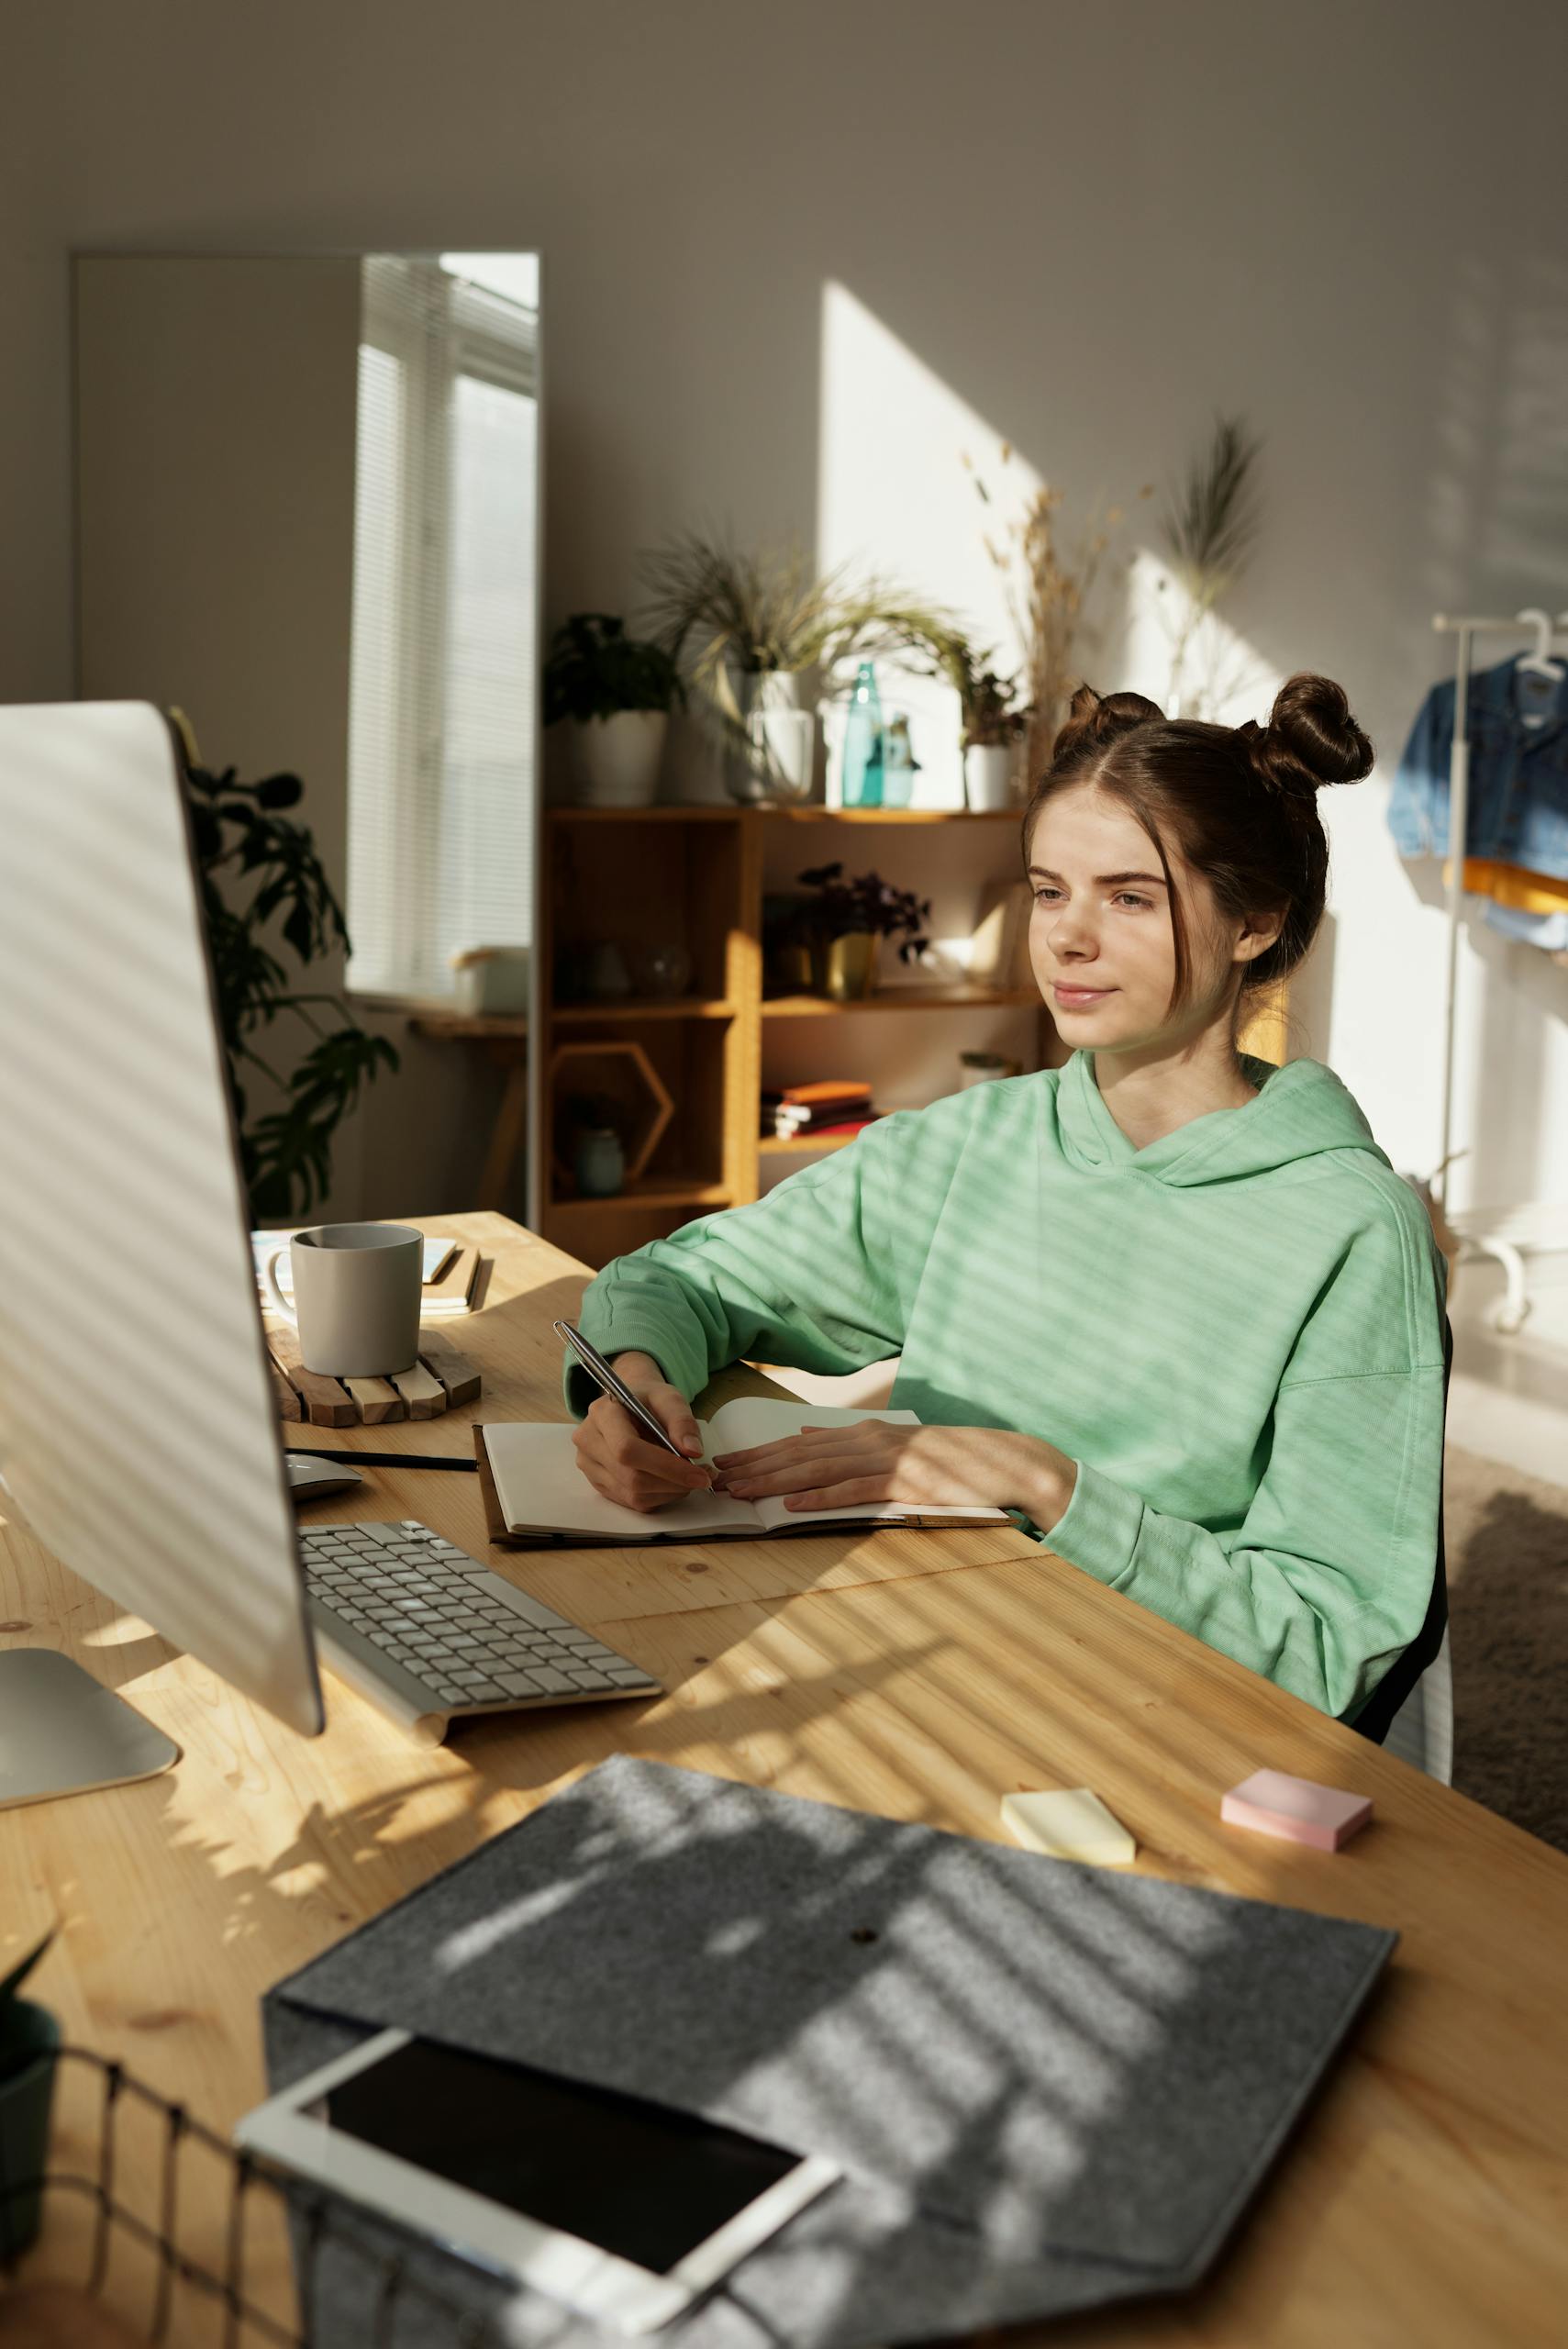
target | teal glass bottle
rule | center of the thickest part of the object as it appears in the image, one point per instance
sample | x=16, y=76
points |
x=862, y=742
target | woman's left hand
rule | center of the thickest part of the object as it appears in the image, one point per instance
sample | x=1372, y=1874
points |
x=880, y=1460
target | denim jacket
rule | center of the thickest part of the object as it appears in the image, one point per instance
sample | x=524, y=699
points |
x=1519, y=772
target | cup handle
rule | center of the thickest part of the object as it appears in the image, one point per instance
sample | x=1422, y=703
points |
x=279, y=1301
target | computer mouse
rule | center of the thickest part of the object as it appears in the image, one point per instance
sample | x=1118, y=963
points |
x=312, y=1480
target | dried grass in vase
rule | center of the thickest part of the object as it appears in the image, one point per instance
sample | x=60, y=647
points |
x=1048, y=595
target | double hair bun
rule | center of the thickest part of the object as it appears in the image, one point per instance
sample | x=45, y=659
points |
x=1311, y=739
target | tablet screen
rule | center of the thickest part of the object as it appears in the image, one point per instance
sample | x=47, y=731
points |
x=632, y=2176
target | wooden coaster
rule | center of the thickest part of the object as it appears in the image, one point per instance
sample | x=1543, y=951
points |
x=442, y=1376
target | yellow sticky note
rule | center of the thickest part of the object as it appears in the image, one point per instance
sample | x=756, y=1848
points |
x=1069, y=1824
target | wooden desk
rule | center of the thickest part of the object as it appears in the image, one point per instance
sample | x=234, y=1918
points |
x=920, y=1676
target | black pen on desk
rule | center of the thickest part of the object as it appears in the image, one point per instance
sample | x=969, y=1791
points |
x=383, y=1459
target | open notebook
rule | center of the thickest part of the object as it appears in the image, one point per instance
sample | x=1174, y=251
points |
x=535, y=1492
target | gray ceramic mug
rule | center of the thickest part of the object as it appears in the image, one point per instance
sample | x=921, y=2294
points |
x=356, y=1296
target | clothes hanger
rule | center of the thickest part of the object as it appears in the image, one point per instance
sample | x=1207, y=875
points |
x=1537, y=662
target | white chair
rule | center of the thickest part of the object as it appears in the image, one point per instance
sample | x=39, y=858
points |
x=1410, y=1712
x=1421, y=1732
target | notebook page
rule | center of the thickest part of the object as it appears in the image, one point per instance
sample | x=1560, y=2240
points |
x=541, y=1489
x=763, y=1418
x=754, y=1419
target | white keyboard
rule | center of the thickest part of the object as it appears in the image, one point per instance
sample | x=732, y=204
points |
x=427, y=1632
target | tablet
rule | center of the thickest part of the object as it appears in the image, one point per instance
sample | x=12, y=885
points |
x=620, y=2208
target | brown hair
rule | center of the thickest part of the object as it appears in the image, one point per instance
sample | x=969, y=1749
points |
x=1240, y=801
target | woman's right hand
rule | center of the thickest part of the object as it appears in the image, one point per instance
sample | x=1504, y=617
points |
x=621, y=1461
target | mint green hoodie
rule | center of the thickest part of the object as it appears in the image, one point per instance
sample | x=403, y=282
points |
x=1236, y=1333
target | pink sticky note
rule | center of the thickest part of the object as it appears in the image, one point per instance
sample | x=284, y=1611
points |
x=1270, y=1802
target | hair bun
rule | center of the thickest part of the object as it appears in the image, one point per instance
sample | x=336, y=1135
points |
x=1096, y=720
x=1310, y=740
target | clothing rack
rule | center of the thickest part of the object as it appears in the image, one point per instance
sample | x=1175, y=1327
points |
x=1504, y=1232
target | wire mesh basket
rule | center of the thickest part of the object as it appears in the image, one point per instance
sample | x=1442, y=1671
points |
x=171, y=2236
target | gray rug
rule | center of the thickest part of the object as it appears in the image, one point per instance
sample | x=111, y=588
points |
x=1506, y=1540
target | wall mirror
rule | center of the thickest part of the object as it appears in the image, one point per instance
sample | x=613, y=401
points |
x=308, y=516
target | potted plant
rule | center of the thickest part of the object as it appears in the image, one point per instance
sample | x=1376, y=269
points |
x=30, y=2043
x=846, y=919
x=995, y=721
x=243, y=839
x=748, y=626
x=619, y=691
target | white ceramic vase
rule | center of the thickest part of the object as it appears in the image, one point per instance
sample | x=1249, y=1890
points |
x=989, y=776
x=782, y=741
x=617, y=758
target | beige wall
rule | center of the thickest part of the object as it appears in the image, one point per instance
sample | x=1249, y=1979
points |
x=214, y=528
x=215, y=513
x=1096, y=221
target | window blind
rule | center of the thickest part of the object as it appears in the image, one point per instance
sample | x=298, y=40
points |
x=443, y=661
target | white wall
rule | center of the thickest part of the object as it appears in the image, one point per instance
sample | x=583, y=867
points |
x=1090, y=224
x=215, y=416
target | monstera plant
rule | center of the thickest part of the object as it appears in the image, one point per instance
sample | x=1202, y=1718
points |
x=264, y=893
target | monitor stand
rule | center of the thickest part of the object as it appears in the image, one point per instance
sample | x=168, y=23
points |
x=60, y=1733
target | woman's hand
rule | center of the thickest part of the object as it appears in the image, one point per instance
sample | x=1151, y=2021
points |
x=621, y=1461
x=880, y=1460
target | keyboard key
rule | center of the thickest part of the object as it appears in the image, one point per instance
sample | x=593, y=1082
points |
x=554, y=1683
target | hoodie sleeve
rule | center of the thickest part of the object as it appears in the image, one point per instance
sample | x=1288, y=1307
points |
x=814, y=1274
x=1327, y=1579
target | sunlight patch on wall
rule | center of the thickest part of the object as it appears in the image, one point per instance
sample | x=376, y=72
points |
x=1193, y=666
x=893, y=495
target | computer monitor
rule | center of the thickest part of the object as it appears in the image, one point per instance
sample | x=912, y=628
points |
x=138, y=1432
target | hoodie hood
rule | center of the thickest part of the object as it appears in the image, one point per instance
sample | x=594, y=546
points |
x=1301, y=1111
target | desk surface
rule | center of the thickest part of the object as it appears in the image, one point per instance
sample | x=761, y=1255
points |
x=920, y=1676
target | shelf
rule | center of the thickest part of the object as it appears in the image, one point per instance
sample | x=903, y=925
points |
x=648, y=1007
x=816, y=814
x=812, y=812
x=812, y=1007
x=654, y=1191
x=696, y=814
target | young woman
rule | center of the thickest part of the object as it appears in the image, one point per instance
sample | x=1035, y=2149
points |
x=1169, y=1303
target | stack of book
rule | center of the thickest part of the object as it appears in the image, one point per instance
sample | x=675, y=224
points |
x=836, y=1107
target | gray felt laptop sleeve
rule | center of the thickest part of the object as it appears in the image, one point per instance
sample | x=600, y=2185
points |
x=1048, y=2086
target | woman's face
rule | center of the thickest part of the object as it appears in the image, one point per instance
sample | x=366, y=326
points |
x=1102, y=921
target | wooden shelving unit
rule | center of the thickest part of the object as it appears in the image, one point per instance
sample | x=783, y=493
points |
x=694, y=877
